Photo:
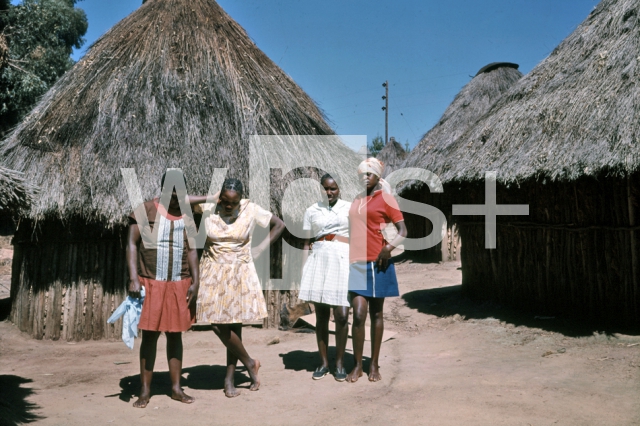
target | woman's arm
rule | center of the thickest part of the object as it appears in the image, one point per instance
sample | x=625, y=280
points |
x=277, y=227
x=132, y=260
x=385, y=253
x=200, y=199
x=194, y=268
x=306, y=247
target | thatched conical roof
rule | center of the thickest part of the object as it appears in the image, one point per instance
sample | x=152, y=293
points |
x=392, y=155
x=15, y=192
x=474, y=100
x=175, y=84
x=576, y=113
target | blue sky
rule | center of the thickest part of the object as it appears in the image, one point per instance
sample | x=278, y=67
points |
x=340, y=52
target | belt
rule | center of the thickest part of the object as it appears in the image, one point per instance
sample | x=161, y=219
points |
x=333, y=237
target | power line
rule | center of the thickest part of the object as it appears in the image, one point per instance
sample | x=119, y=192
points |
x=395, y=84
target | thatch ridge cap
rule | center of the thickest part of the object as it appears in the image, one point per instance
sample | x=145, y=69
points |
x=495, y=65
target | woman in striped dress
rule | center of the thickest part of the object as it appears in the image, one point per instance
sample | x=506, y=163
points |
x=325, y=275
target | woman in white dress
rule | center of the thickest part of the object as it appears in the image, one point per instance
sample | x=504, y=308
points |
x=325, y=275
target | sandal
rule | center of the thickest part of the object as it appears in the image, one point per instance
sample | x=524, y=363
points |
x=320, y=373
x=341, y=374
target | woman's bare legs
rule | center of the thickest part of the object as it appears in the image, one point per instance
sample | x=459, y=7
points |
x=231, y=336
x=148, y=349
x=174, y=358
x=359, y=304
x=323, y=312
x=377, y=328
x=341, y=318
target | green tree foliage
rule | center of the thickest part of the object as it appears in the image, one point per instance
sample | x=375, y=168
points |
x=376, y=145
x=41, y=35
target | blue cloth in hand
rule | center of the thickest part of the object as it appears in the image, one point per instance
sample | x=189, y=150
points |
x=130, y=310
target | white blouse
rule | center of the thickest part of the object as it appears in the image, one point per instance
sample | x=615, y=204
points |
x=321, y=219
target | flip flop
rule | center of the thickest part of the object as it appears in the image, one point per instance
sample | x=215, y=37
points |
x=320, y=373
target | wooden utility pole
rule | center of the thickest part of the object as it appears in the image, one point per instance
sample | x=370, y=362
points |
x=386, y=111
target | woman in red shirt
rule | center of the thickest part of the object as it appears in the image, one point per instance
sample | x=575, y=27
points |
x=372, y=276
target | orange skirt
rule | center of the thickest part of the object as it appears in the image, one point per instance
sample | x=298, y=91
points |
x=165, y=306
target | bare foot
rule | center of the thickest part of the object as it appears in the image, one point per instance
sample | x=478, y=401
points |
x=230, y=390
x=355, y=374
x=179, y=395
x=374, y=373
x=253, y=373
x=142, y=400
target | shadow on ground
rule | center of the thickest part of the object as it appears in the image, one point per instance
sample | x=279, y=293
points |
x=14, y=407
x=447, y=301
x=308, y=361
x=205, y=377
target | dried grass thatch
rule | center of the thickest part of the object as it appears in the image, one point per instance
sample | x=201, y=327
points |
x=575, y=114
x=175, y=84
x=475, y=98
x=470, y=103
x=15, y=192
x=392, y=155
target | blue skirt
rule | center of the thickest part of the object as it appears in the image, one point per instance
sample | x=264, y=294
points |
x=367, y=280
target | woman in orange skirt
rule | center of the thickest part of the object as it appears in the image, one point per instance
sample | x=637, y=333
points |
x=168, y=269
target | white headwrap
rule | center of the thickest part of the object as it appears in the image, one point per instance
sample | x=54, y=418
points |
x=374, y=166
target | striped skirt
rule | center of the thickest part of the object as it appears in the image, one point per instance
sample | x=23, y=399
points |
x=325, y=276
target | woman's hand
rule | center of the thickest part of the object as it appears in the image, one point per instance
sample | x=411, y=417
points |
x=385, y=254
x=192, y=293
x=383, y=258
x=256, y=251
x=134, y=287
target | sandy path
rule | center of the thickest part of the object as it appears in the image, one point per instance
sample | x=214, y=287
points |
x=441, y=369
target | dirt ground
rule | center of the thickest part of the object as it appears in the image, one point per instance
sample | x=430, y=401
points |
x=453, y=362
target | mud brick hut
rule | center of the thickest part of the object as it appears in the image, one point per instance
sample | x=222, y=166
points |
x=392, y=155
x=565, y=140
x=176, y=84
x=474, y=100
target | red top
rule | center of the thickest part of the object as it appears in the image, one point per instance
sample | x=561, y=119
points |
x=379, y=209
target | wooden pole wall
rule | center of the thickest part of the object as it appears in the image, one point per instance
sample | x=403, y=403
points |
x=65, y=288
x=575, y=254
x=65, y=285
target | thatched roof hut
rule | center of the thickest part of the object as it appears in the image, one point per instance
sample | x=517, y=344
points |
x=15, y=192
x=573, y=115
x=474, y=100
x=392, y=155
x=175, y=84
x=563, y=139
